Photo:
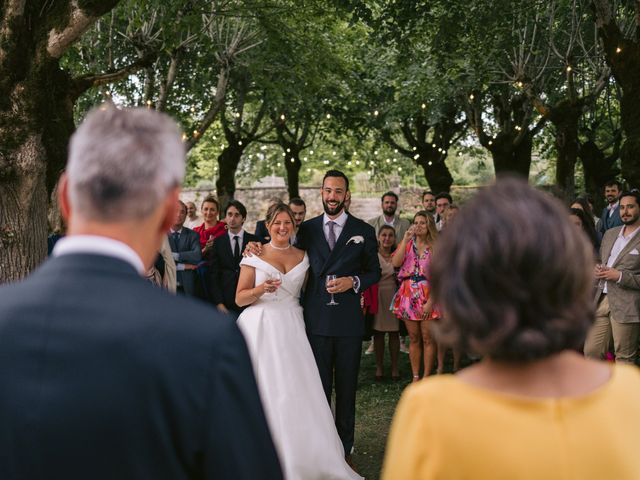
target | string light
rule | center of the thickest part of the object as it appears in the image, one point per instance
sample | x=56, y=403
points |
x=490, y=142
x=310, y=152
x=430, y=163
x=288, y=150
x=416, y=156
x=569, y=68
x=424, y=105
x=292, y=160
x=618, y=50
x=304, y=159
x=196, y=133
x=433, y=145
x=328, y=116
x=184, y=137
x=376, y=152
x=148, y=103
x=375, y=113
x=238, y=115
x=414, y=148
x=357, y=162
x=282, y=117
x=334, y=153
x=240, y=142
x=519, y=84
x=471, y=97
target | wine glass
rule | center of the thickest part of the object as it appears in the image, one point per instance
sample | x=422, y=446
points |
x=600, y=268
x=330, y=279
x=275, y=279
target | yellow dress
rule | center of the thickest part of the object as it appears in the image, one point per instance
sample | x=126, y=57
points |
x=446, y=429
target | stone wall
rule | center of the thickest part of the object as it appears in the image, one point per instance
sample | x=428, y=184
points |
x=364, y=205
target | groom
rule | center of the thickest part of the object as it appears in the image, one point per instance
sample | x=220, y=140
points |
x=338, y=244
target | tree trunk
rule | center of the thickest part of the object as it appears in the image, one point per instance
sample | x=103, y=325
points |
x=292, y=165
x=228, y=162
x=437, y=174
x=598, y=169
x=509, y=158
x=565, y=117
x=36, y=121
x=630, y=121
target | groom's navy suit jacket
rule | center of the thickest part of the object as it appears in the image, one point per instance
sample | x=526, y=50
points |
x=350, y=257
x=104, y=376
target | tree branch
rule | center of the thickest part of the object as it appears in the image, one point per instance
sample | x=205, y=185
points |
x=84, y=83
x=216, y=106
x=79, y=21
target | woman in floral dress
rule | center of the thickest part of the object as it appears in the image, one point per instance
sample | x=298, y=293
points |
x=412, y=303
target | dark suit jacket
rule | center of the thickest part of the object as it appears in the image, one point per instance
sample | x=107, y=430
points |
x=225, y=270
x=189, y=251
x=352, y=259
x=103, y=376
x=607, y=222
x=261, y=231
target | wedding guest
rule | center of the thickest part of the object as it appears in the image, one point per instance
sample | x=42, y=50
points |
x=413, y=302
x=429, y=203
x=163, y=272
x=299, y=209
x=443, y=200
x=611, y=213
x=583, y=204
x=519, y=294
x=581, y=219
x=211, y=228
x=193, y=219
x=384, y=321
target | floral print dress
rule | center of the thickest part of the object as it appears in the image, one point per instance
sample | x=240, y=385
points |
x=415, y=285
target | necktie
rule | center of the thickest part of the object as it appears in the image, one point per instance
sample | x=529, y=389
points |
x=176, y=237
x=236, y=247
x=332, y=235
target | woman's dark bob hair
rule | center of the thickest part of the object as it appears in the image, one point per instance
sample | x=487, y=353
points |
x=513, y=277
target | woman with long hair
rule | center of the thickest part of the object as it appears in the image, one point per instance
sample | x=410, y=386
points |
x=413, y=302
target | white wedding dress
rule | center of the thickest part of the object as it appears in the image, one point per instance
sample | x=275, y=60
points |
x=296, y=407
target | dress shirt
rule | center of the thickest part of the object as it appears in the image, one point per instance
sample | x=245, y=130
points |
x=176, y=255
x=337, y=228
x=618, y=246
x=98, y=245
x=611, y=208
x=240, y=234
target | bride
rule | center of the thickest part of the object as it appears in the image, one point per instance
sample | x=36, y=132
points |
x=299, y=417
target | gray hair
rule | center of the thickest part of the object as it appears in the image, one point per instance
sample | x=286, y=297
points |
x=123, y=162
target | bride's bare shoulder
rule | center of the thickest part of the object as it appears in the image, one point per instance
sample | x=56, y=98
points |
x=299, y=253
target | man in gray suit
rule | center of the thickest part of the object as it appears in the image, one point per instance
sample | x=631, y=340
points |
x=618, y=293
x=185, y=247
x=389, y=203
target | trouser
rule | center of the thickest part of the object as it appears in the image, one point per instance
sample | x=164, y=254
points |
x=625, y=335
x=339, y=358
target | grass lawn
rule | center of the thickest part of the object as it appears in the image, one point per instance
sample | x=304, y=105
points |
x=375, y=405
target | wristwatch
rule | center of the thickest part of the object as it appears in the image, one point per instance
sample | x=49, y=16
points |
x=356, y=283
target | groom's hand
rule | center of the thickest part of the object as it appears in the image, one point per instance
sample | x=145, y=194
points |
x=340, y=285
x=252, y=248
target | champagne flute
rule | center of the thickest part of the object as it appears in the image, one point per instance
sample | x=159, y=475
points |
x=331, y=279
x=275, y=279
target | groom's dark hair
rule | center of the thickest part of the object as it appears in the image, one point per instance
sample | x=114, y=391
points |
x=336, y=173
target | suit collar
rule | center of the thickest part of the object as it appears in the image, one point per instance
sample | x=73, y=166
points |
x=94, y=244
x=341, y=242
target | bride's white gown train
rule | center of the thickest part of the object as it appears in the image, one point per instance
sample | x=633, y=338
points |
x=297, y=411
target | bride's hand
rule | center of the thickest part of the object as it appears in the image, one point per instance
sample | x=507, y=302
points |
x=270, y=286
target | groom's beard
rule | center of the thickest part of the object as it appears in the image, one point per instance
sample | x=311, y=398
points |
x=332, y=211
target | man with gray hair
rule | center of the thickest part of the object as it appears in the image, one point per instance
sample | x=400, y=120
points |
x=102, y=375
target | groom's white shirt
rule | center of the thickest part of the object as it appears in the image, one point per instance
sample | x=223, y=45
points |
x=337, y=228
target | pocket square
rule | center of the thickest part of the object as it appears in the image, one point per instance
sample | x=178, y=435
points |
x=356, y=239
x=634, y=252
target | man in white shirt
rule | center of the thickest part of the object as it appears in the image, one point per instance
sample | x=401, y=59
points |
x=225, y=258
x=618, y=293
x=299, y=209
x=443, y=200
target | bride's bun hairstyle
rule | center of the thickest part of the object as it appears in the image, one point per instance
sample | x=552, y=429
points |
x=276, y=209
x=514, y=276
